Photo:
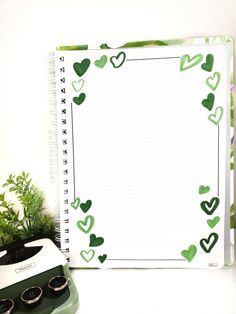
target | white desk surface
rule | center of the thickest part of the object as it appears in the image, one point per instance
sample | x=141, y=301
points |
x=31, y=28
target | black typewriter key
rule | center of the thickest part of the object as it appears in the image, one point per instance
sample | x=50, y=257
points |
x=58, y=284
x=6, y=306
x=32, y=296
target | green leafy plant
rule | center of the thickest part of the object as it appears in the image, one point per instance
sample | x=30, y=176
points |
x=31, y=221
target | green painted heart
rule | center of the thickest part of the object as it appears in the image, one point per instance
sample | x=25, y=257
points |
x=209, y=101
x=213, y=222
x=208, y=244
x=87, y=255
x=217, y=116
x=81, y=67
x=208, y=65
x=95, y=241
x=78, y=85
x=190, y=253
x=210, y=207
x=79, y=100
x=213, y=81
x=100, y=63
x=203, y=189
x=87, y=224
x=76, y=203
x=118, y=60
x=102, y=258
x=186, y=62
x=85, y=206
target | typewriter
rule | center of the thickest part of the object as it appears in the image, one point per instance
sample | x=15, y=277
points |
x=35, y=278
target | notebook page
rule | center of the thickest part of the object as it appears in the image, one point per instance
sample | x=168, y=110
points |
x=147, y=140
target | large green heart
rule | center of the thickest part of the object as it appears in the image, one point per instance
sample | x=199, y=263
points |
x=190, y=253
x=87, y=224
x=208, y=65
x=81, y=67
x=210, y=207
x=209, y=101
x=208, y=244
x=186, y=62
x=95, y=241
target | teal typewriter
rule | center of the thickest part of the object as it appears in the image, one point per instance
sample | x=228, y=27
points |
x=35, y=278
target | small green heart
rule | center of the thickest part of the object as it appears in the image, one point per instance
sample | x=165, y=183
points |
x=190, y=253
x=79, y=100
x=118, y=60
x=102, y=258
x=186, y=62
x=213, y=222
x=95, y=241
x=87, y=255
x=78, y=85
x=213, y=81
x=203, y=189
x=216, y=117
x=81, y=67
x=210, y=207
x=85, y=206
x=87, y=224
x=76, y=203
x=101, y=62
x=209, y=63
x=209, y=101
x=208, y=244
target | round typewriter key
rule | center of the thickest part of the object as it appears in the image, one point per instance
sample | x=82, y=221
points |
x=32, y=296
x=58, y=284
x=6, y=306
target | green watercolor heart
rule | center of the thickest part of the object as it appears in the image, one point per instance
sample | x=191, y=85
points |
x=100, y=63
x=118, y=60
x=85, y=206
x=81, y=67
x=76, y=203
x=186, y=62
x=210, y=207
x=213, y=222
x=203, y=189
x=87, y=255
x=190, y=253
x=95, y=241
x=208, y=244
x=213, y=81
x=209, y=101
x=209, y=63
x=216, y=117
x=78, y=85
x=87, y=224
x=102, y=258
x=79, y=100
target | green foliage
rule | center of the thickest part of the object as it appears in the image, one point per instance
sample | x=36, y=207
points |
x=15, y=226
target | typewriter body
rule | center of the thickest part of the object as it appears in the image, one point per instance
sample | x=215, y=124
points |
x=36, y=263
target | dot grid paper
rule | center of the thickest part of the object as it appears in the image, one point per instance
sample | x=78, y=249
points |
x=142, y=145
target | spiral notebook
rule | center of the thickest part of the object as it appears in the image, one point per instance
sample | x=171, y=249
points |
x=145, y=148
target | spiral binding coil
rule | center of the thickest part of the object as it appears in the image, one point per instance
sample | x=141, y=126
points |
x=58, y=119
